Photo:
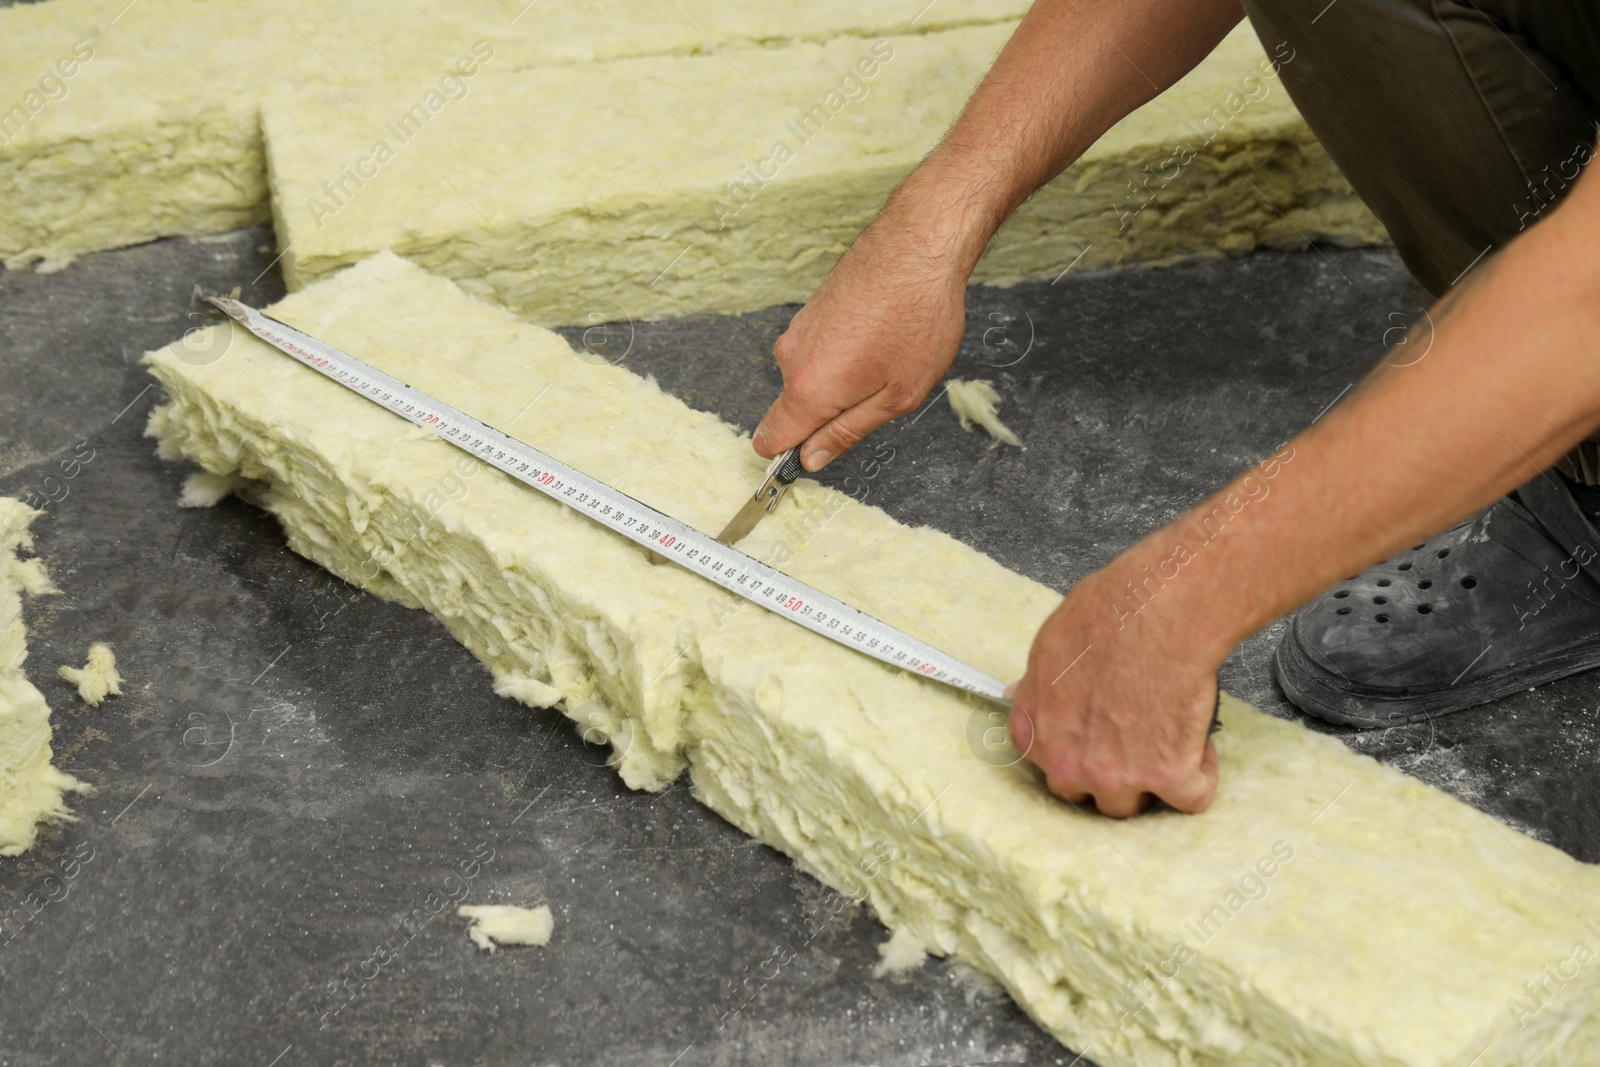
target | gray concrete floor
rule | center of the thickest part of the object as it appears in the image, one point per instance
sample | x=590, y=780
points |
x=296, y=765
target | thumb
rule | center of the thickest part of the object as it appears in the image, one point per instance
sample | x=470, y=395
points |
x=1194, y=793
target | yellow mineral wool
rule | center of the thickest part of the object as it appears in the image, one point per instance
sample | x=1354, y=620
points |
x=96, y=679
x=30, y=787
x=654, y=187
x=493, y=925
x=121, y=122
x=975, y=404
x=1326, y=910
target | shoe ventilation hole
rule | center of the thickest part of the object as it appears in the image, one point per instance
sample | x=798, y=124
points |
x=1424, y=609
x=1405, y=566
x=1341, y=594
x=1443, y=552
x=1380, y=600
x=1415, y=547
x=1468, y=582
x=1342, y=611
x=1383, y=582
x=1427, y=583
x=1381, y=618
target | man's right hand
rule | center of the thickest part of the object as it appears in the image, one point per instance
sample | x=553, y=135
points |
x=883, y=328
x=885, y=324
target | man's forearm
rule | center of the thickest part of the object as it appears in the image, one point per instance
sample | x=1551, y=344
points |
x=1072, y=70
x=1503, y=382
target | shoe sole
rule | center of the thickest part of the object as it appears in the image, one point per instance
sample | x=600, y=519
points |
x=1311, y=688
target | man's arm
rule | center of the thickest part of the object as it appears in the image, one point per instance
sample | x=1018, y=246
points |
x=885, y=324
x=1510, y=380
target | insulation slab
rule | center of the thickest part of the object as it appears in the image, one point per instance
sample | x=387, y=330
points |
x=121, y=122
x=31, y=788
x=647, y=188
x=1327, y=909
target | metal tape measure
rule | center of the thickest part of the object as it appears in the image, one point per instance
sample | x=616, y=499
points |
x=660, y=533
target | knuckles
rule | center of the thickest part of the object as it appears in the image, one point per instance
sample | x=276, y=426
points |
x=1073, y=774
x=898, y=399
x=1161, y=778
x=1108, y=777
x=784, y=349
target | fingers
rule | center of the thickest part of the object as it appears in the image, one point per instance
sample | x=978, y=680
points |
x=1077, y=798
x=841, y=431
x=1115, y=795
x=1192, y=796
x=847, y=429
x=866, y=349
x=1120, y=729
x=1119, y=786
x=1190, y=791
x=1122, y=804
x=793, y=417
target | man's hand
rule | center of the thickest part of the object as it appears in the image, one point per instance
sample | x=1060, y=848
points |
x=881, y=330
x=884, y=326
x=1121, y=680
x=1116, y=706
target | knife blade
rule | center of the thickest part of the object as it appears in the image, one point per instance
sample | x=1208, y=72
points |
x=781, y=473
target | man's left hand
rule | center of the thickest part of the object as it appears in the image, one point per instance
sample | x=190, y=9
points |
x=1116, y=704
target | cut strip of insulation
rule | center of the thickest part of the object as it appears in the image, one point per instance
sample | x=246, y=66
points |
x=1327, y=910
x=121, y=122
x=31, y=788
x=645, y=188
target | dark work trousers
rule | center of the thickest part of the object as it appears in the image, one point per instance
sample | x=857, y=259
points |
x=1458, y=123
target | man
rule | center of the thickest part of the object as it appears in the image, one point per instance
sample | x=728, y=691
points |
x=1464, y=127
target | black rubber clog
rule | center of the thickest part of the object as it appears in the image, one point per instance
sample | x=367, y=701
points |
x=1500, y=603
